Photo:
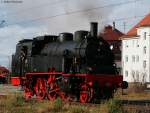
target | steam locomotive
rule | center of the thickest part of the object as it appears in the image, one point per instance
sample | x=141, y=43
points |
x=77, y=66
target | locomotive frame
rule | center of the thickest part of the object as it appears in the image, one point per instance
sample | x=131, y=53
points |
x=90, y=88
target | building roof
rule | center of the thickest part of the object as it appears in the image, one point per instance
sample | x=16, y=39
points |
x=4, y=69
x=144, y=22
x=109, y=33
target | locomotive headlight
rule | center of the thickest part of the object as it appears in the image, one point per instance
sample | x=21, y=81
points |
x=111, y=47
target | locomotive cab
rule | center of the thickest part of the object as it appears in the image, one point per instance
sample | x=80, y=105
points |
x=20, y=59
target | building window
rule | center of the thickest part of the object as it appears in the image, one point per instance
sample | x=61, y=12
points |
x=144, y=35
x=126, y=58
x=144, y=64
x=126, y=44
x=133, y=58
x=137, y=58
x=144, y=49
x=126, y=73
x=144, y=77
x=133, y=74
x=137, y=44
x=137, y=76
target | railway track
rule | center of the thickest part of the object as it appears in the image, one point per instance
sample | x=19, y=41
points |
x=129, y=106
x=123, y=102
x=136, y=106
x=6, y=89
x=136, y=102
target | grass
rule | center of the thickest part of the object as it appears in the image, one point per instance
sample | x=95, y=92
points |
x=114, y=106
x=14, y=103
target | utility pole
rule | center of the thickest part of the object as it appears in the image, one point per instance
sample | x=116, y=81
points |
x=124, y=27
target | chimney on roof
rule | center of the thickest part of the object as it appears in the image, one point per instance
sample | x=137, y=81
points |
x=108, y=29
x=113, y=25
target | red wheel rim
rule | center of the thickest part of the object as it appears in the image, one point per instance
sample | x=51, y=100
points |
x=52, y=91
x=40, y=88
x=28, y=93
x=86, y=93
x=84, y=96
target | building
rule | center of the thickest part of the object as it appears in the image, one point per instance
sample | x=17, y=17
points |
x=112, y=36
x=3, y=74
x=136, y=52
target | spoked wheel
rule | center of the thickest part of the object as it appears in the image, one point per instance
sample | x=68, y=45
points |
x=86, y=94
x=28, y=90
x=28, y=93
x=40, y=88
x=52, y=90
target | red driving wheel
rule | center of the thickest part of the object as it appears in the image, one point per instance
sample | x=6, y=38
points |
x=86, y=94
x=28, y=92
x=40, y=88
x=52, y=90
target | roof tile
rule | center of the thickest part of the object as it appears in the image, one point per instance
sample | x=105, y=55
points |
x=111, y=33
x=144, y=22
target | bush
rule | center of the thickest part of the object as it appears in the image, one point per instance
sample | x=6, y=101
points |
x=19, y=101
x=57, y=105
x=114, y=106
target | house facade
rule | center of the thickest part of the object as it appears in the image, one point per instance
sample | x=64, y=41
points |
x=136, y=53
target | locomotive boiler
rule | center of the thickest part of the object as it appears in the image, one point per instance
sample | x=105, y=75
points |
x=77, y=66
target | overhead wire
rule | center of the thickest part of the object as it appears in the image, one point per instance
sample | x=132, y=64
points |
x=34, y=7
x=74, y=12
x=38, y=6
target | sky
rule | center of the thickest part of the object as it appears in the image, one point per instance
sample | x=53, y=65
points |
x=22, y=19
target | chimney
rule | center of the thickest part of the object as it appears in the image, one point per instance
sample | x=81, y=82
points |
x=94, y=29
x=113, y=25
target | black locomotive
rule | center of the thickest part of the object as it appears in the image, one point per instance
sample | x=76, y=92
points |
x=83, y=58
x=82, y=52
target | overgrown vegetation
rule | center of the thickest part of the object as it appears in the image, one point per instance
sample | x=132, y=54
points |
x=114, y=106
x=15, y=103
x=57, y=105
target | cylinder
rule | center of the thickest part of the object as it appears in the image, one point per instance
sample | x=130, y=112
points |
x=94, y=29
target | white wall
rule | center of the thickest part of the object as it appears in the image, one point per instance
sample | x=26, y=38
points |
x=137, y=51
